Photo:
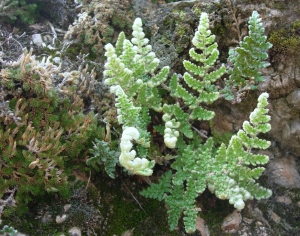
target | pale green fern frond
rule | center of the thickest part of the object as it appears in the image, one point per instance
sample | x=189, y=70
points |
x=234, y=161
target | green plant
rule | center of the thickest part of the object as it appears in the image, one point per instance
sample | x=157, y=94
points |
x=96, y=26
x=42, y=128
x=103, y=153
x=198, y=163
x=6, y=230
x=286, y=40
x=247, y=60
x=135, y=97
x=13, y=10
x=224, y=171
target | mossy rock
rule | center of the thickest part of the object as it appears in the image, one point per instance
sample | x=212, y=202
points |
x=287, y=40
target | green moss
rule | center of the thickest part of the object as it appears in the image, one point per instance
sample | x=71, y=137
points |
x=197, y=11
x=121, y=21
x=280, y=5
x=124, y=208
x=112, y=208
x=39, y=155
x=73, y=51
x=16, y=11
x=287, y=40
x=182, y=37
x=108, y=34
x=219, y=29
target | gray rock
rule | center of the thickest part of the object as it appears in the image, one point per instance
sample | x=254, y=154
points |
x=294, y=98
x=283, y=171
x=295, y=128
x=37, y=40
x=281, y=109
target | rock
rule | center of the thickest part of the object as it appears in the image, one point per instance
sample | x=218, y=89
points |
x=294, y=98
x=286, y=132
x=285, y=123
x=46, y=218
x=74, y=231
x=260, y=229
x=283, y=171
x=37, y=40
x=202, y=227
x=277, y=125
x=231, y=222
x=291, y=134
x=67, y=207
x=258, y=215
x=128, y=232
x=275, y=217
x=60, y=219
x=284, y=199
x=221, y=124
x=281, y=109
x=295, y=128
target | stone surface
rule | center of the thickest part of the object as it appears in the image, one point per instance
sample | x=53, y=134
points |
x=231, y=222
x=128, y=232
x=74, y=231
x=284, y=199
x=276, y=218
x=37, y=40
x=294, y=98
x=60, y=219
x=283, y=171
x=202, y=226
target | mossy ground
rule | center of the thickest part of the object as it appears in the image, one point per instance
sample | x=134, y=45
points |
x=126, y=209
x=111, y=208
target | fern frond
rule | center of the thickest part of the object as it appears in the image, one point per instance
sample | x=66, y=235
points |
x=159, y=190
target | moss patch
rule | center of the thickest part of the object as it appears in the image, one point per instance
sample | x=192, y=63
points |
x=124, y=209
x=287, y=40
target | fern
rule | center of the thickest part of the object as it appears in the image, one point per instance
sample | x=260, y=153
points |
x=200, y=82
x=158, y=191
x=102, y=153
x=228, y=170
x=6, y=230
x=248, y=59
